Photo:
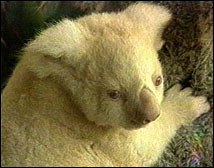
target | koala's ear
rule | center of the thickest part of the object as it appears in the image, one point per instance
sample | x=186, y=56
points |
x=63, y=43
x=153, y=18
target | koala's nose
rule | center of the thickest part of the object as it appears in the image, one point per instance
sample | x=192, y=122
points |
x=148, y=109
x=150, y=118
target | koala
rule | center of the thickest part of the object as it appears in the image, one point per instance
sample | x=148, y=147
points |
x=89, y=92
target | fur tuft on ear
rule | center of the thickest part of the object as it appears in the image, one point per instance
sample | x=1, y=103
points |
x=154, y=19
x=59, y=40
x=59, y=44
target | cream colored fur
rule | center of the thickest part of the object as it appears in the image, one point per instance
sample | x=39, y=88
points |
x=55, y=107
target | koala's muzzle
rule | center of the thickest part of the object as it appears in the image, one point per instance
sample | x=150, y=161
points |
x=148, y=109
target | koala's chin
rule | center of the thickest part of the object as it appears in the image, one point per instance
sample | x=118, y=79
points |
x=133, y=126
x=127, y=125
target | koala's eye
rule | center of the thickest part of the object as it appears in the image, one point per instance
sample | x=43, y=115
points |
x=158, y=81
x=114, y=94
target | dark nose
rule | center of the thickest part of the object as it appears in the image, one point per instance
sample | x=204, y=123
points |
x=148, y=109
x=149, y=119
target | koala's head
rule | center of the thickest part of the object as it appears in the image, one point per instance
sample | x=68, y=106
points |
x=108, y=62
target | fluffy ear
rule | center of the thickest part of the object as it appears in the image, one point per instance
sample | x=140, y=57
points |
x=62, y=43
x=153, y=18
x=62, y=39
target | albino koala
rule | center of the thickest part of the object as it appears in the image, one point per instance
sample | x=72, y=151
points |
x=89, y=92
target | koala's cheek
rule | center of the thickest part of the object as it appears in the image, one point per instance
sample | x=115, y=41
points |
x=160, y=98
x=160, y=95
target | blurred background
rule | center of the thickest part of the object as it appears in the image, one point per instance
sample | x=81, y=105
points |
x=187, y=58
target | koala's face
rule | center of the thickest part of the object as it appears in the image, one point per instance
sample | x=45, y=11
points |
x=109, y=63
x=123, y=83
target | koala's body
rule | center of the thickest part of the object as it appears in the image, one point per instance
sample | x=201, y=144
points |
x=89, y=92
